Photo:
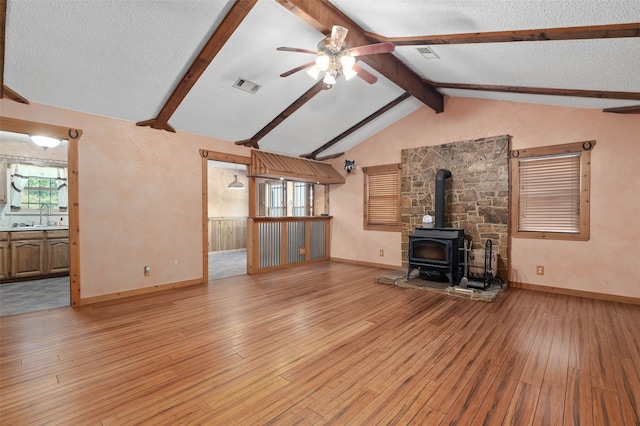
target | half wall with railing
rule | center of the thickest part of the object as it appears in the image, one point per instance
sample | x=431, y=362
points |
x=279, y=242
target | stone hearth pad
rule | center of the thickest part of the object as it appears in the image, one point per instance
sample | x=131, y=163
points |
x=398, y=278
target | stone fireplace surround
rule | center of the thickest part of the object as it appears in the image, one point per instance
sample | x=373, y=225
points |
x=476, y=194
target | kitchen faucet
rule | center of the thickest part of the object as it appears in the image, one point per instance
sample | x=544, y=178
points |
x=46, y=206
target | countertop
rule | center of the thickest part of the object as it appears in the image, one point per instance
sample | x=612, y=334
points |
x=32, y=228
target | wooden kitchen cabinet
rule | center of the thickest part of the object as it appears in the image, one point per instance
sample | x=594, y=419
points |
x=3, y=181
x=33, y=254
x=57, y=251
x=4, y=255
x=27, y=258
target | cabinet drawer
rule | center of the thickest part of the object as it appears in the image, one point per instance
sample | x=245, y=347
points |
x=4, y=236
x=27, y=235
x=62, y=233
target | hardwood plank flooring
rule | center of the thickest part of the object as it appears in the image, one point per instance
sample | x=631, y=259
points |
x=323, y=344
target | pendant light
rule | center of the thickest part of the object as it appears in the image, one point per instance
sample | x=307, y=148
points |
x=236, y=184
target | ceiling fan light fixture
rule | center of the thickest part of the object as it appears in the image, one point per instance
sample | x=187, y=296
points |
x=329, y=79
x=347, y=61
x=314, y=72
x=323, y=61
x=45, y=141
x=349, y=73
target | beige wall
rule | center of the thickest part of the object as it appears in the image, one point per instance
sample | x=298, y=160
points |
x=140, y=196
x=225, y=202
x=605, y=264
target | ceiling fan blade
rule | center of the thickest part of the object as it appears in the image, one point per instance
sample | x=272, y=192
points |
x=338, y=35
x=372, y=49
x=296, y=69
x=365, y=75
x=295, y=49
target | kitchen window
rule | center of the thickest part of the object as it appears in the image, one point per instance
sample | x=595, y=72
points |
x=34, y=186
x=551, y=190
x=38, y=192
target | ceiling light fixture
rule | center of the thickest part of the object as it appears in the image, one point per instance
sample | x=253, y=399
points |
x=236, y=184
x=45, y=141
x=334, y=59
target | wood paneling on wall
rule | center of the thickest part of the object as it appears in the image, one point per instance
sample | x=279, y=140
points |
x=227, y=233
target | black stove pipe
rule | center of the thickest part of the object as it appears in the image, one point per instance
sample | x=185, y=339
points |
x=440, y=178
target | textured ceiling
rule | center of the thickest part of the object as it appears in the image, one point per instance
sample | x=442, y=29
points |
x=123, y=59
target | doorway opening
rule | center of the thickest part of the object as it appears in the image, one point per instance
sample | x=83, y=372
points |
x=35, y=264
x=227, y=208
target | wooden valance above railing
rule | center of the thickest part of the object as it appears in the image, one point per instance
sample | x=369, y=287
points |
x=275, y=166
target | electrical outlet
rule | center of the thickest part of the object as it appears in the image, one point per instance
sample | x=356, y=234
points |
x=147, y=270
x=540, y=270
x=381, y=253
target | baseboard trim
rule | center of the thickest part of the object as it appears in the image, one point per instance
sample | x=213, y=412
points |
x=578, y=293
x=139, y=291
x=358, y=262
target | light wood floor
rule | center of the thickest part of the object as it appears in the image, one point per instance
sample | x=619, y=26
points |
x=323, y=344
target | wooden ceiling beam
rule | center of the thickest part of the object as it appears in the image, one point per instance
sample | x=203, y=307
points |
x=322, y=15
x=540, y=91
x=330, y=157
x=220, y=36
x=14, y=96
x=566, y=33
x=355, y=127
x=6, y=92
x=633, y=109
x=253, y=141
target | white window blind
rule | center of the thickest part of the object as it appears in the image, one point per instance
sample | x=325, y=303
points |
x=382, y=199
x=549, y=193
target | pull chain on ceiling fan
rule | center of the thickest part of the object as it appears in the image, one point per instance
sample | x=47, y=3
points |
x=333, y=58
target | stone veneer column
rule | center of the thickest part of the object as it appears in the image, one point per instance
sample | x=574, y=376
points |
x=477, y=194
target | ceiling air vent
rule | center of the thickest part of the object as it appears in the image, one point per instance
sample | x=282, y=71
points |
x=246, y=85
x=428, y=53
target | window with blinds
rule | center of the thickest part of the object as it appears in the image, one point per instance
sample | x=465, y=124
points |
x=382, y=198
x=550, y=192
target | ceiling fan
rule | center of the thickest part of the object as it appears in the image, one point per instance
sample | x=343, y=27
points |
x=333, y=58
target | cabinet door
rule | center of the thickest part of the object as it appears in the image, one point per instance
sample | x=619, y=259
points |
x=3, y=181
x=57, y=255
x=27, y=258
x=4, y=260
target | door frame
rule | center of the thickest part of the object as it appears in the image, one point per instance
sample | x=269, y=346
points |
x=73, y=136
x=227, y=158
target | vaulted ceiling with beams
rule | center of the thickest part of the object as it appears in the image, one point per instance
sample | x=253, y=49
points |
x=172, y=65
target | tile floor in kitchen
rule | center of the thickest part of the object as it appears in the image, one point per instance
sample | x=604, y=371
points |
x=39, y=295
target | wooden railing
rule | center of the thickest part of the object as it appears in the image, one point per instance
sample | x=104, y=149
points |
x=280, y=242
x=227, y=233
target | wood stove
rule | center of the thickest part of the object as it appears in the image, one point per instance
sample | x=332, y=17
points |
x=438, y=253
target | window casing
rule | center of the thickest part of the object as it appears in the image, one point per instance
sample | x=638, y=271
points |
x=550, y=191
x=382, y=198
x=34, y=187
